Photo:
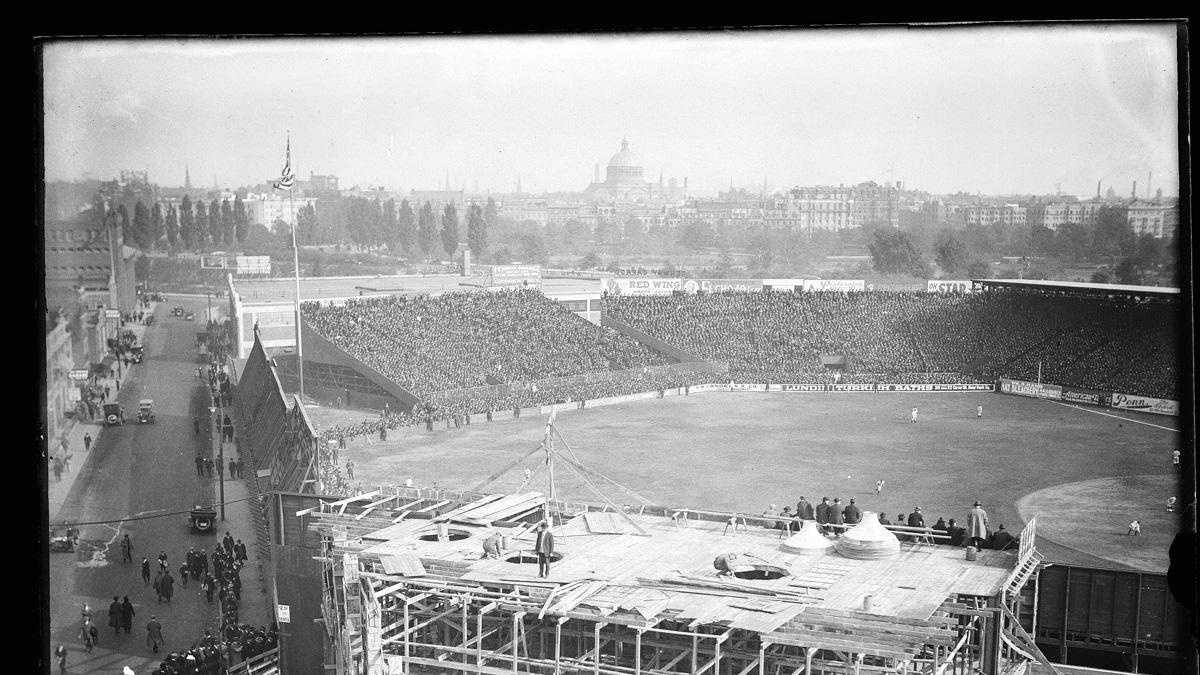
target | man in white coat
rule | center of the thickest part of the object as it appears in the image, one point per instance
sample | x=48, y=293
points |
x=977, y=525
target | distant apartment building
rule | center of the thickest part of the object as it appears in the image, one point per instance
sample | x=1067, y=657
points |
x=813, y=208
x=266, y=210
x=1156, y=217
x=988, y=214
x=60, y=359
x=875, y=204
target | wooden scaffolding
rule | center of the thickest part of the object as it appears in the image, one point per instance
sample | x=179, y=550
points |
x=408, y=588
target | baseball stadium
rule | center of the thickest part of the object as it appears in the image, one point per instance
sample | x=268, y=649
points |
x=408, y=448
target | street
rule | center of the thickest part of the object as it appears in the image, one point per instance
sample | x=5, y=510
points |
x=137, y=471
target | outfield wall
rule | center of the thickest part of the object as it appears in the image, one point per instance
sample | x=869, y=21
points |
x=1103, y=399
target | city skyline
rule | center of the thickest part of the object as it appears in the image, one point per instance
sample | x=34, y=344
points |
x=1002, y=110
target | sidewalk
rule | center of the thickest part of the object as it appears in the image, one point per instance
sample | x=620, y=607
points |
x=76, y=429
x=257, y=606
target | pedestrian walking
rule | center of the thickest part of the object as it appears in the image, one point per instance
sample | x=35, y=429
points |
x=199, y=461
x=913, y=417
x=154, y=634
x=114, y=615
x=1175, y=459
x=126, y=549
x=208, y=466
x=168, y=586
x=239, y=550
x=879, y=486
x=979, y=411
x=145, y=571
x=208, y=584
x=87, y=442
x=196, y=426
x=60, y=655
x=58, y=470
x=220, y=470
x=127, y=615
x=183, y=574
x=89, y=635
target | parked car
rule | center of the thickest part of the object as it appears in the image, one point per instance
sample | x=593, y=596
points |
x=114, y=414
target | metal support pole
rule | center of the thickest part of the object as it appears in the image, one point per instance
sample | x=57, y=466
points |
x=404, y=667
x=762, y=656
x=1062, y=654
x=637, y=652
x=558, y=644
x=695, y=649
x=596, y=656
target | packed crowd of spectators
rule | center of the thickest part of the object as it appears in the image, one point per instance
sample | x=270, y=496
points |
x=475, y=354
x=456, y=340
x=904, y=337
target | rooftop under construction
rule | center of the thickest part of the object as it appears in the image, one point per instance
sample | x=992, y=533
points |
x=410, y=584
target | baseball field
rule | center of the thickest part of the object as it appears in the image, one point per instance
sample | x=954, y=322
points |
x=1085, y=472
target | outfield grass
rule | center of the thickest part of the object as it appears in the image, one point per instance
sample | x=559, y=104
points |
x=743, y=451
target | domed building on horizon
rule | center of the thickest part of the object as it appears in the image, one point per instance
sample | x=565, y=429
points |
x=625, y=183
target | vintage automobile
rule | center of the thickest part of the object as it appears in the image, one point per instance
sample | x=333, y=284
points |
x=137, y=354
x=145, y=414
x=203, y=520
x=114, y=414
x=190, y=316
x=149, y=319
x=177, y=311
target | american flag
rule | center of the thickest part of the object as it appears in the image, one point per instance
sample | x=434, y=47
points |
x=287, y=179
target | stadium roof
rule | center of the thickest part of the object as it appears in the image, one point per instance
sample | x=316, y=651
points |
x=1079, y=286
x=281, y=289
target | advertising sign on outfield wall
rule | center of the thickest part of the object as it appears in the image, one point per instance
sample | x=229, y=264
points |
x=948, y=286
x=1158, y=406
x=641, y=286
x=719, y=285
x=783, y=285
x=1081, y=395
x=842, y=285
x=954, y=386
x=735, y=386
x=1023, y=388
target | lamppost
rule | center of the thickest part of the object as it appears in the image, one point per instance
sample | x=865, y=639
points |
x=219, y=445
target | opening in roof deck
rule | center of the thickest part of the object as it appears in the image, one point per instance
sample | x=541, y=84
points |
x=530, y=558
x=762, y=573
x=453, y=535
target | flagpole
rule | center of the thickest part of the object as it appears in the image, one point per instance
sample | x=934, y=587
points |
x=295, y=262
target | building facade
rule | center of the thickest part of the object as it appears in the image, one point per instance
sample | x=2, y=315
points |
x=60, y=359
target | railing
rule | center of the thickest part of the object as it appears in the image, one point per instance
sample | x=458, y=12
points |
x=266, y=663
x=615, y=378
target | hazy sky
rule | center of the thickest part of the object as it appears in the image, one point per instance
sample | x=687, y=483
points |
x=992, y=110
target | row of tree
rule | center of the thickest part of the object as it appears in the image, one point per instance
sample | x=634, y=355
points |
x=190, y=226
x=374, y=223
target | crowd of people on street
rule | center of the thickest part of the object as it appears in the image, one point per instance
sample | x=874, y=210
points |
x=215, y=654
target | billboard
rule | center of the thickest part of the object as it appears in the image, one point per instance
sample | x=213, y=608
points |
x=253, y=264
x=840, y=285
x=719, y=285
x=872, y=386
x=641, y=286
x=1081, y=395
x=1034, y=389
x=783, y=285
x=956, y=386
x=1158, y=406
x=948, y=286
x=515, y=276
